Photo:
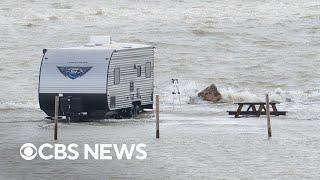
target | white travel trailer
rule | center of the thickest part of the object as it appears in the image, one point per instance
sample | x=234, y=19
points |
x=100, y=79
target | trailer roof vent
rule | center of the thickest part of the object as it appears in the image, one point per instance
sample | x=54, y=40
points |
x=100, y=40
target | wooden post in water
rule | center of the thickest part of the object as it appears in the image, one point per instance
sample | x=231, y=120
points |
x=56, y=116
x=157, y=117
x=268, y=116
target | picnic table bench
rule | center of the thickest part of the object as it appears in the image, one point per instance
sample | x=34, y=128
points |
x=253, y=110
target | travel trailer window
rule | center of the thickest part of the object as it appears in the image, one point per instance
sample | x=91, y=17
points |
x=138, y=71
x=148, y=69
x=116, y=75
x=138, y=93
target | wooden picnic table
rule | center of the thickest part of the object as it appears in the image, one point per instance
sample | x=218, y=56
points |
x=256, y=109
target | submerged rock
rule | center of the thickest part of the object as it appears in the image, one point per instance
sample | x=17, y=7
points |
x=211, y=93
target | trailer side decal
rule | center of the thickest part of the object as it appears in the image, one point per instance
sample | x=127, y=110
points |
x=73, y=72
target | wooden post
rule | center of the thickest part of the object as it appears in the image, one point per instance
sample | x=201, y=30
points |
x=56, y=116
x=157, y=117
x=268, y=116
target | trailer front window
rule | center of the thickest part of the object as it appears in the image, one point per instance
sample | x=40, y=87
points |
x=116, y=75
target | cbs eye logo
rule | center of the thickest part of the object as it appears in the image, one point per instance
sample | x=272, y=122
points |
x=28, y=151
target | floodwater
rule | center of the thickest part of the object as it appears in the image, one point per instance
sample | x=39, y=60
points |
x=246, y=47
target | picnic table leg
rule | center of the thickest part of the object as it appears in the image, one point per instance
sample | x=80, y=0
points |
x=259, y=110
x=264, y=108
x=274, y=109
x=254, y=109
x=249, y=107
x=238, y=111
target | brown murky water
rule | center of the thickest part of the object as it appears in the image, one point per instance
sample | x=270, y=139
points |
x=247, y=48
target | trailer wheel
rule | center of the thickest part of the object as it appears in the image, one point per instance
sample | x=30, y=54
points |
x=135, y=109
x=127, y=113
x=132, y=111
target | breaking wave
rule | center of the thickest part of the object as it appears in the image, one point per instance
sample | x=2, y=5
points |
x=189, y=91
x=188, y=95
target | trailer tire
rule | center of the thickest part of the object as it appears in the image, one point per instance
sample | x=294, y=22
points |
x=135, y=109
x=132, y=111
x=127, y=113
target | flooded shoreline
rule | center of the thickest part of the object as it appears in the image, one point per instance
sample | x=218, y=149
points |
x=204, y=146
x=246, y=48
